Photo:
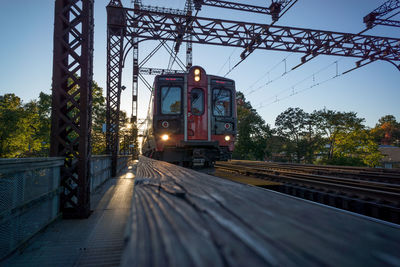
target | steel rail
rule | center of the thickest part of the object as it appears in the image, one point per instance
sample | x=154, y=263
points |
x=392, y=177
x=350, y=187
x=338, y=180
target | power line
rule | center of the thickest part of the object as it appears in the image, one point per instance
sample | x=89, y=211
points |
x=358, y=64
x=228, y=60
x=268, y=74
x=295, y=92
x=243, y=55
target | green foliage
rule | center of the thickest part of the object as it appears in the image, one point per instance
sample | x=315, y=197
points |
x=387, y=131
x=331, y=123
x=357, y=145
x=253, y=133
x=337, y=138
x=25, y=128
x=20, y=128
x=98, y=138
x=302, y=138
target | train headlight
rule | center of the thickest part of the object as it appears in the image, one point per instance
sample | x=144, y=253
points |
x=227, y=138
x=165, y=137
x=196, y=75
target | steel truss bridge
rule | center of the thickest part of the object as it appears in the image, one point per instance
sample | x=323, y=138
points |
x=128, y=27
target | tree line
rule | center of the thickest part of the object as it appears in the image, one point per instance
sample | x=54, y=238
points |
x=323, y=136
x=25, y=127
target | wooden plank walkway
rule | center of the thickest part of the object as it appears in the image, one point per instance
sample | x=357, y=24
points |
x=185, y=218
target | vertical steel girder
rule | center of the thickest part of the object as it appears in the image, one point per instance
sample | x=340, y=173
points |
x=135, y=80
x=115, y=42
x=189, y=48
x=135, y=83
x=71, y=102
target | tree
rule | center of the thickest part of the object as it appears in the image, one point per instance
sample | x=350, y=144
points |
x=302, y=139
x=19, y=127
x=98, y=138
x=356, y=148
x=332, y=123
x=25, y=128
x=387, y=131
x=252, y=132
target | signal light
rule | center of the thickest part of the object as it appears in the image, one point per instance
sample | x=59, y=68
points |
x=196, y=75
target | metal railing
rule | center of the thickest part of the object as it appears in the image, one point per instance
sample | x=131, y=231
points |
x=30, y=194
x=29, y=198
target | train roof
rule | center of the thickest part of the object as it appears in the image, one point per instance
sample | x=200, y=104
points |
x=171, y=75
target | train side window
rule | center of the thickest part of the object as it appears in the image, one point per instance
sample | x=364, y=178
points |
x=170, y=100
x=197, y=101
x=221, y=102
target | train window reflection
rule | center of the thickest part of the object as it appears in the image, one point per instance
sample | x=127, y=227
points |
x=197, y=101
x=221, y=102
x=170, y=100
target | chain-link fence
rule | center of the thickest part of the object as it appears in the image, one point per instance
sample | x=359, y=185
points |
x=100, y=170
x=29, y=198
x=29, y=194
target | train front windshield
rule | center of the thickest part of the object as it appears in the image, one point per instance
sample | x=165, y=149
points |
x=221, y=102
x=170, y=100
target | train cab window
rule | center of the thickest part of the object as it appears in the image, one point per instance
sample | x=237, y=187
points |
x=221, y=102
x=197, y=101
x=171, y=100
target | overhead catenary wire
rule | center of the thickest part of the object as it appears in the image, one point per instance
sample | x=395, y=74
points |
x=173, y=57
x=228, y=60
x=275, y=98
x=250, y=52
x=313, y=75
x=268, y=75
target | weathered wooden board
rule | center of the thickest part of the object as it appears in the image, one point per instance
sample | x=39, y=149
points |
x=185, y=218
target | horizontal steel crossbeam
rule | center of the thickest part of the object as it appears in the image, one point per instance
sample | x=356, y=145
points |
x=387, y=22
x=236, y=6
x=156, y=71
x=148, y=25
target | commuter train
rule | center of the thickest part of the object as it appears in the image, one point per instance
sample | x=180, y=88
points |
x=192, y=119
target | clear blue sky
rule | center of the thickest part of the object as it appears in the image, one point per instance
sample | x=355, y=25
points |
x=372, y=91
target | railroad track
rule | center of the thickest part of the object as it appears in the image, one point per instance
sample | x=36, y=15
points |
x=368, y=191
x=391, y=176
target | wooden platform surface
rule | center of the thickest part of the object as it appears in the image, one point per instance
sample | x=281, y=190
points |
x=185, y=218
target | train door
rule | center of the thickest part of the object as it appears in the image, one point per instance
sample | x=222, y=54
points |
x=197, y=112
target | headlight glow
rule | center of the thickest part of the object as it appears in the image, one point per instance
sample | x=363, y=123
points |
x=227, y=138
x=197, y=78
x=165, y=137
x=196, y=71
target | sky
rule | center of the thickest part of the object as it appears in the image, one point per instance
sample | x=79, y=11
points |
x=371, y=91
